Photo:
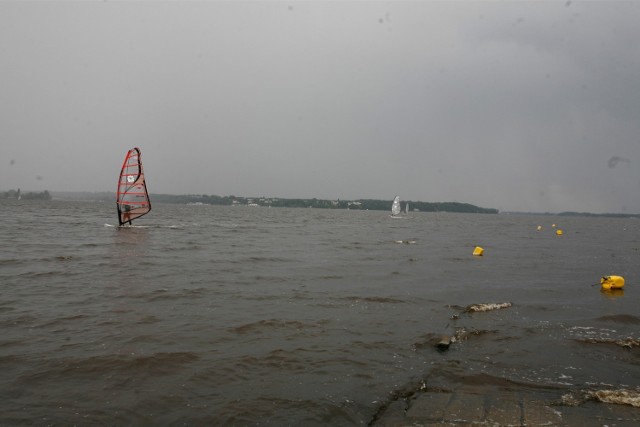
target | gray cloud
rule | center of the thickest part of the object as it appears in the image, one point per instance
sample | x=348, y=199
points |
x=613, y=162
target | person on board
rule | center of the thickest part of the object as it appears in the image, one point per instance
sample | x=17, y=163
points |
x=127, y=214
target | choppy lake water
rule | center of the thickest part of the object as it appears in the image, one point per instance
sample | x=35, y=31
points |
x=256, y=316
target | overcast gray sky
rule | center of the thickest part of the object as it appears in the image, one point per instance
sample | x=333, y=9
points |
x=526, y=106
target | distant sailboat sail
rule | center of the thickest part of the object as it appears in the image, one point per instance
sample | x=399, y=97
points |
x=406, y=208
x=132, y=198
x=395, y=207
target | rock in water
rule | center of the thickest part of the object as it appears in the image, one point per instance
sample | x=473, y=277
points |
x=444, y=343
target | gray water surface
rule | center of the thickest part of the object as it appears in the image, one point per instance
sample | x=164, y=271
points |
x=258, y=316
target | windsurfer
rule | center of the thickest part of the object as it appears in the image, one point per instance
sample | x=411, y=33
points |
x=127, y=214
x=132, y=197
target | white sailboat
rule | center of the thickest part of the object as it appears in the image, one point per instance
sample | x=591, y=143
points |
x=395, y=207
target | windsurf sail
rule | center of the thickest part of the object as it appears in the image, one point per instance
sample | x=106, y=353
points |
x=132, y=198
x=406, y=208
x=395, y=207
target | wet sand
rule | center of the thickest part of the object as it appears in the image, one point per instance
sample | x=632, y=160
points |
x=441, y=404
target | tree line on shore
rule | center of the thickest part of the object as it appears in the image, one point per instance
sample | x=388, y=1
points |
x=18, y=195
x=362, y=204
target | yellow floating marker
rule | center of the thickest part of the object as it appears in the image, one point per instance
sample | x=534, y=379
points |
x=559, y=232
x=612, y=282
x=478, y=251
x=539, y=227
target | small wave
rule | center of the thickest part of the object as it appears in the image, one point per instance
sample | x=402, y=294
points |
x=271, y=279
x=142, y=227
x=7, y=305
x=331, y=277
x=618, y=397
x=91, y=245
x=269, y=324
x=139, y=339
x=474, y=308
x=12, y=359
x=184, y=248
x=39, y=274
x=18, y=321
x=621, y=318
x=462, y=334
x=167, y=294
x=405, y=242
x=148, y=320
x=32, y=261
x=459, y=259
x=428, y=340
x=161, y=294
x=352, y=246
x=279, y=359
x=325, y=305
x=624, y=342
x=268, y=409
x=442, y=342
x=373, y=345
x=263, y=298
x=259, y=259
x=381, y=300
x=484, y=379
x=590, y=333
x=61, y=320
x=11, y=262
x=153, y=364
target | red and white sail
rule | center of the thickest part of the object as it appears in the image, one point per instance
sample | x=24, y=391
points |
x=132, y=198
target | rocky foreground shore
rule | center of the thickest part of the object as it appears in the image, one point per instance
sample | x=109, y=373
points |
x=482, y=400
x=440, y=404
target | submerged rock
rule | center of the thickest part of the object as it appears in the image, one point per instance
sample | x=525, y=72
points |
x=462, y=333
x=444, y=343
x=625, y=343
x=570, y=399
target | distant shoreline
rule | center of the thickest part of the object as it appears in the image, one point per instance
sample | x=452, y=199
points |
x=571, y=213
x=278, y=202
x=357, y=204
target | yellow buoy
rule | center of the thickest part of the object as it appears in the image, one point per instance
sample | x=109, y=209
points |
x=478, y=251
x=559, y=232
x=539, y=227
x=612, y=282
